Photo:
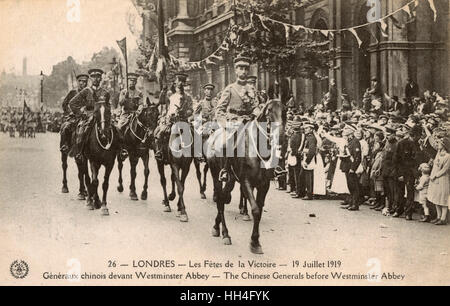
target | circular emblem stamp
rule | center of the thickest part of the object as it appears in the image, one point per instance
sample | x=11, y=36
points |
x=19, y=269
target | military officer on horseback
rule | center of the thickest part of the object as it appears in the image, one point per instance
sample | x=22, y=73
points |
x=206, y=106
x=82, y=106
x=130, y=100
x=70, y=119
x=237, y=104
x=179, y=109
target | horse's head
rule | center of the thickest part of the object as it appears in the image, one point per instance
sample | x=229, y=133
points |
x=148, y=116
x=272, y=111
x=102, y=113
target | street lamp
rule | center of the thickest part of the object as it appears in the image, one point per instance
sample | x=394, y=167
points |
x=42, y=90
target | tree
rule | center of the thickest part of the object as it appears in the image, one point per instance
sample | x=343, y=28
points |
x=279, y=49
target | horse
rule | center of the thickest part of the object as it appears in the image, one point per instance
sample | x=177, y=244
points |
x=250, y=172
x=82, y=167
x=100, y=149
x=180, y=157
x=138, y=138
x=198, y=161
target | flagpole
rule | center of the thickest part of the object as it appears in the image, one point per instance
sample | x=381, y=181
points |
x=161, y=44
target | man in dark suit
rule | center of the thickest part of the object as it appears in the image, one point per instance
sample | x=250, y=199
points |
x=296, y=145
x=411, y=90
x=406, y=162
x=309, y=155
x=350, y=162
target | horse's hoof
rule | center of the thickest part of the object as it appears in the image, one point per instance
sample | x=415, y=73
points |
x=134, y=197
x=65, y=189
x=81, y=197
x=215, y=232
x=227, y=240
x=167, y=209
x=202, y=196
x=246, y=218
x=120, y=189
x=105, y=211
x=172, y=196
x=256, y=249
x=184, y=218
x=178, y=214
x=97, y=204
x=144, y=196
x=90, y=206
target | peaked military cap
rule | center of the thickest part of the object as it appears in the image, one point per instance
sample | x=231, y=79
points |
x=252, y=79
x=209, y=86
x=82, y=77
x=242, y=61
x=95, y=71
x=181, y=76
x=133, y=76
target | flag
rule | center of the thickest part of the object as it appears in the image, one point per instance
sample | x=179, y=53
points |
x=384, y=26
x=123, y=47
x=25, y=107
x=396, y=23
x=353, y=31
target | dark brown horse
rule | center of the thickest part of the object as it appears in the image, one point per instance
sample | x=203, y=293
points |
x=83, y=174
x=101, y=149
x=179, y=151
x=251, y=172
x=138, y=139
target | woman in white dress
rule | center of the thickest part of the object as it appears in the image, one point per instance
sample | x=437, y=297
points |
x=339, y=183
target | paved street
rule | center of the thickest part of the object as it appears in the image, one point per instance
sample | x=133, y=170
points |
x=46, y=228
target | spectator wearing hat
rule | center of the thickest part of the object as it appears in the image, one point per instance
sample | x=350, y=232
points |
x=405, y=159
x=295, y=147
x=351, y=161
x=411, y=90
x=375, y=89
x=309, y=154
x=68, y=125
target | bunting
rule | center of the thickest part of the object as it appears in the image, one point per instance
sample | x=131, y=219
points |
x=353, y=31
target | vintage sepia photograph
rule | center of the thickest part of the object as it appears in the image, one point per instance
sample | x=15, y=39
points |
x=213, y=143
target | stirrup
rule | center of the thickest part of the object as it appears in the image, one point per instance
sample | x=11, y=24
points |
x=278, y=171
x=123, y=154
x=224, y=176
x=64, y=149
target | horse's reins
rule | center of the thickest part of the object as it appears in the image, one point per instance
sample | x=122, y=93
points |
x=146, y=129
x=108, y=146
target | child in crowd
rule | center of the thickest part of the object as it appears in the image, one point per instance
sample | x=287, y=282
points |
x=422, y=188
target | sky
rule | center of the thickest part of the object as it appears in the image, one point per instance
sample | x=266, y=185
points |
x=41, y=31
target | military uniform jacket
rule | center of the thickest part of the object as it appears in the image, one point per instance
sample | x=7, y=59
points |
x=130, y=100
x=406, y=156
x=388, y=168
x=206, y=108
x=65, y=103
x=353, y=161
x=310, y=149
x=87, y=98
x=179, y=105
x=236, y=101
x=296, y=143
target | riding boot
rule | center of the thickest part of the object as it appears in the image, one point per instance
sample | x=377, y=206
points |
x=64, y=146
x=158, y=149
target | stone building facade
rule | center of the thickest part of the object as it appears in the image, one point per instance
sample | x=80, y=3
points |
x=419, y=49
